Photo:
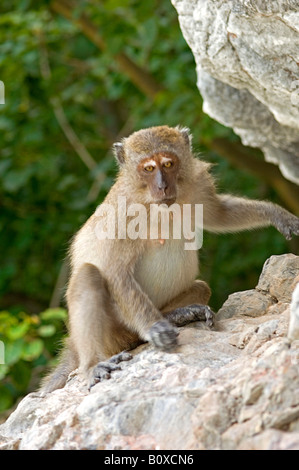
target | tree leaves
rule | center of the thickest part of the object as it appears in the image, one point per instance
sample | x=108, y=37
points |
x=28, y=341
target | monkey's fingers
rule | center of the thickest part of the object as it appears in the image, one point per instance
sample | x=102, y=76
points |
x=163, y=335
x=102, y=371
x=183, y=315
x=293, y=228
x=203, y=313
x=287, y=226
x=120, y=357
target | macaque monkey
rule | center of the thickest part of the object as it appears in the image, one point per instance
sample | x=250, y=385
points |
x=123, y=290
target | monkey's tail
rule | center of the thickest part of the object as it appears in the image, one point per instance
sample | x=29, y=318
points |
x=58, y=377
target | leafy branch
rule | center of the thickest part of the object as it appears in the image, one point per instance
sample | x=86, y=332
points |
x=140, y=77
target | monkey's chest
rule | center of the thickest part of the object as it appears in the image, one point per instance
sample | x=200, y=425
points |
x=164, y=271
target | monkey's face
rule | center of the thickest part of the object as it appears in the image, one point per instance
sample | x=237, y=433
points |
x=158, y=174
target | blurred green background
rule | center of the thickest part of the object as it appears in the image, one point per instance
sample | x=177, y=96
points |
x=78, y=76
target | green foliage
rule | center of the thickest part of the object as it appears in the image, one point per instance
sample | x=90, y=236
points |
x=45, y=189
x=47, y=192
x=28, y=342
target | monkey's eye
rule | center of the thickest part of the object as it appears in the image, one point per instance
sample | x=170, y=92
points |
x=149, y=168
x=168, y=164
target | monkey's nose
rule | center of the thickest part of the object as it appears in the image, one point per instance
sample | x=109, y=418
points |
x=163, y=187
x=161, y=183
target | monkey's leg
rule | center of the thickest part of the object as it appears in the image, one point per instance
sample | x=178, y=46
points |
x=58, y=377
x=199, y=293
x=95, y=331
x=191, y=306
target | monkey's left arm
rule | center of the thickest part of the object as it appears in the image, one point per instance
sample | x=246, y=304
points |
x=226, y=213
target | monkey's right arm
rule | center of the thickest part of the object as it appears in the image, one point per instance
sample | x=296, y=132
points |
x=234, y=214
x=227, y=213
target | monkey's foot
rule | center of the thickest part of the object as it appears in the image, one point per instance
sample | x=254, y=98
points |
x=102, y=371
x=163, y=335
x=196, y=312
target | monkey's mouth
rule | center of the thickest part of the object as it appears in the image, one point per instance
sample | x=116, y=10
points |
x=168, y=201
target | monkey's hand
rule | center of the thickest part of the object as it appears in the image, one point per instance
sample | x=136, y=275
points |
x=183, y=315
x=286, y=223
x=102, y=371
x=163, y=335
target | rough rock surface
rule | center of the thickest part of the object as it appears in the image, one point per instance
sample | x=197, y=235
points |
x=247, y=56
x=293, y=332
x=236, y=387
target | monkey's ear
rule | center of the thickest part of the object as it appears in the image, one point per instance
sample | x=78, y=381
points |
x=119, y=152
x=186, y=133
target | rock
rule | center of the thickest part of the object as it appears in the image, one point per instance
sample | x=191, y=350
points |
x=235, y=387
x=271, y=439
x=274, y=289
x=252, y=303
x=246, y=54
x=293, y=332
x=278, y=275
